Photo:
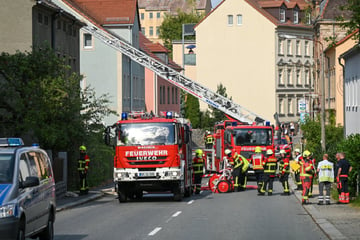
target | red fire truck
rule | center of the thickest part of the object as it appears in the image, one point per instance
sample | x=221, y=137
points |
x=240, y=138
x=152, y=154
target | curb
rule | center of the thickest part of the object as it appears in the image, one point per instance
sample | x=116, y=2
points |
x=75, y=203
x=328, y=228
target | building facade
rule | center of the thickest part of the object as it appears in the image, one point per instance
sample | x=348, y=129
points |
x=245, y=45
x=106, y=70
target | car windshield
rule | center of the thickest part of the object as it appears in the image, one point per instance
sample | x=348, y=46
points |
x=252, y=136
x=131, y=134
x=6, y=168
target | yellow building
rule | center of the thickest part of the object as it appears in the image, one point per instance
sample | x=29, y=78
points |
x=152, y=13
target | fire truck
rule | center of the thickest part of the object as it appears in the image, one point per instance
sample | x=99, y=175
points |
x=152, y=154
x=239, y=137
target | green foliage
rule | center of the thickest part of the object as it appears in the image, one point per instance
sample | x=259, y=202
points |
x=352, y=24
x=41, y=101
x=171, y=27
x=217, y=114
x=351, y=147
x=192, y=110
x=312, y=134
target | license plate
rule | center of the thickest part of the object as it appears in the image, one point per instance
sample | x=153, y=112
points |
x=146, y=174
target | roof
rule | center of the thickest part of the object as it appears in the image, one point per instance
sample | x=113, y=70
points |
x=171, y=5
x=151, y=48
x=261, y=5
x=108, y=11
x=330, y=9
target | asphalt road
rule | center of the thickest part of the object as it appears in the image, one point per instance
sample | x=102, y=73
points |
x=242, y=215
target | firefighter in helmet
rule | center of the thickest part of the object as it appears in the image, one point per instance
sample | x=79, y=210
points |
x=198, y=166
x=240, y=167
x=269, y=173
x=83, y=167
x=306, y=175
x=258, y=161
x=284, y=171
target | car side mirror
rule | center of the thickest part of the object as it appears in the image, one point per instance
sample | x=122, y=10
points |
x=30, y=182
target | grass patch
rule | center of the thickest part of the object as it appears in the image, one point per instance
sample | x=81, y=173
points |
x=356, y=202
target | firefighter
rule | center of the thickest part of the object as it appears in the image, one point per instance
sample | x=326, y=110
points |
x=306, y=174
x=83, y=167
x=284, y=171
x=269, y=173
x=298, y=159
x=209, y=140
x=258, y=161
x=237, y=163
x=198, y=166
x=343, y=170
x=313, y=162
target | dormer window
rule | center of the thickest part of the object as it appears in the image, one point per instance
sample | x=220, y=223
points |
x=296, y=16
x=282, y=15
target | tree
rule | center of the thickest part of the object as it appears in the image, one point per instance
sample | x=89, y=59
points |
x=192, y=110
x=171, y=27
x=353, y=23
x=217, y=114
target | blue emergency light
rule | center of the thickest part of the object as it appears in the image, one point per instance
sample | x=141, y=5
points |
x=168, y=115
x=267, y=123
x=124, y=116
x=11, y=142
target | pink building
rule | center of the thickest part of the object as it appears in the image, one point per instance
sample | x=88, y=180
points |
x=160, y=95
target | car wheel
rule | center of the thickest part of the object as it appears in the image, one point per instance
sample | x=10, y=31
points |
x=21, y=230
x=48, y=232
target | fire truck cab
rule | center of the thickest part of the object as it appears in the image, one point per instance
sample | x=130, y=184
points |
x=152, y=154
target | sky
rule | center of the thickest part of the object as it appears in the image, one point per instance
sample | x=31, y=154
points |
x=214, y=3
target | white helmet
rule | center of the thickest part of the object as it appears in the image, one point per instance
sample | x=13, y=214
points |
x=227, y=151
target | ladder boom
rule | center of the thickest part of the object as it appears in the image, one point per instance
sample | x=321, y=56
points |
x=204, y=94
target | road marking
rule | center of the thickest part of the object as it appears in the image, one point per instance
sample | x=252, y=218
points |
x=190, y=202
x=155, y=231
x=176, y=214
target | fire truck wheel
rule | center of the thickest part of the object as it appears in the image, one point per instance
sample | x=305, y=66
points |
x=188, y=192
x=122, y=196
x=224, y=186
x=139, y=194
x=213, y=182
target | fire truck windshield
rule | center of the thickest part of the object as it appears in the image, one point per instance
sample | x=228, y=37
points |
x=134, y=134
x=252, y=136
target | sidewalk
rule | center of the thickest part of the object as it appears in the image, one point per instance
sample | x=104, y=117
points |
x=338, y=221
x=73, y=199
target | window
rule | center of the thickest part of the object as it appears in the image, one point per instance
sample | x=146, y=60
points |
x=87, y=40
x=143, y=30
x=158, y=15
x=298, y=48
x=289, y=47
x=142, y=16
x=281, y=106
x=308, y=18
x=24, y=167
x=239, y=19
x=298, y=77
x=160, y=95
x=168, y=95
x=307, y=77
x=58, y=24
x=46, y=20
x=281, y=46
x=289, y=77
x=40, y=18
x=307, y=49
x=290, y=106
x=172, y=95
x=282, y=15
x=151, y=31
x=230, y=20
x=176, y=96
x=281, y=77
x=151, y=15
x=157, y=31
x=296, y=16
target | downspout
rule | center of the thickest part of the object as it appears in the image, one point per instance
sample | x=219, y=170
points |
x=343, y=73
x=328, y=63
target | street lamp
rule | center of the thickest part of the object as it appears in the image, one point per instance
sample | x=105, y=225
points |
x=322, y=75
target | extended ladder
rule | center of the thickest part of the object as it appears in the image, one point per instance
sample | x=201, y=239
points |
x=204, y=94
